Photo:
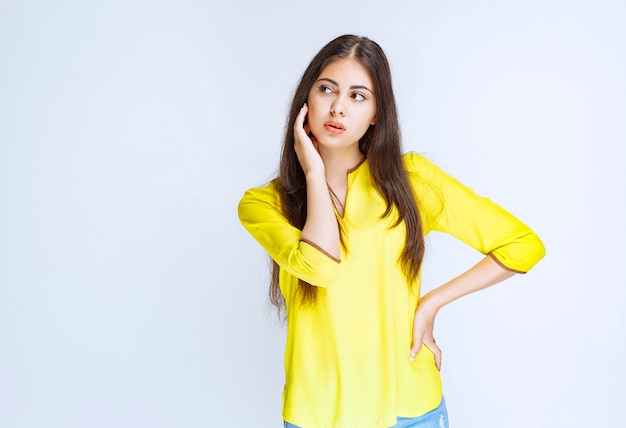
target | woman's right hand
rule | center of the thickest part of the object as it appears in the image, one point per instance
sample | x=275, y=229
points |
x=306, y=147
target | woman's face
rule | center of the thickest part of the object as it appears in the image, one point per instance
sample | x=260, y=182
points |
x=342, y=105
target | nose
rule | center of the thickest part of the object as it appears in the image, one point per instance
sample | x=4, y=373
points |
x=338, y=107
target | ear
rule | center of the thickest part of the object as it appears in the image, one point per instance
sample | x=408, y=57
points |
x=373, y=122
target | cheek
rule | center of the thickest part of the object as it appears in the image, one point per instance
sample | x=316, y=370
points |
x=313, y=113
x=369, y=117
x=313, y=104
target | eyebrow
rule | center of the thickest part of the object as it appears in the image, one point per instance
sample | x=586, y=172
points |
x=351, y=87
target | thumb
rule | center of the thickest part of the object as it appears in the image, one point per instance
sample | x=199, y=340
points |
x=415, y=348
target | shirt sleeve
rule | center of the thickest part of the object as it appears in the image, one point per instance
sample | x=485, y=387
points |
x=456, y=209
x=260, y=214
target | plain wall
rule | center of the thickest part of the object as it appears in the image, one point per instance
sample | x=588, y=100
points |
x=130, y=296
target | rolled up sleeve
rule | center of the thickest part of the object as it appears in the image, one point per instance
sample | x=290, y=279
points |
x=478, y=221
x=259, y=212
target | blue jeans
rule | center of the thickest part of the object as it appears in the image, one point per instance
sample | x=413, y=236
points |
x=437, y=418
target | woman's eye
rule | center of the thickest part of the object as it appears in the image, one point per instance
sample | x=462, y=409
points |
x=358, y=97
x=325, y=89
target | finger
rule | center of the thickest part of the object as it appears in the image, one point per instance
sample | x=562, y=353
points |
x=418, y=339
x=436, y=350
x=308, y=132
x=299, y=123
x=415, y=348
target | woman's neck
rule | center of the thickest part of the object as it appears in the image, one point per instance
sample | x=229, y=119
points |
x=338, y=163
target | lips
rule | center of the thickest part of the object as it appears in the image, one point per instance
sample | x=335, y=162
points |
x=334, y=127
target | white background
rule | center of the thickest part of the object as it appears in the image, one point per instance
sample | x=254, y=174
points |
x=130, y=296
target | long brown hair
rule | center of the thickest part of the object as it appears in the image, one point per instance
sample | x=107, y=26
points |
x=381, y=145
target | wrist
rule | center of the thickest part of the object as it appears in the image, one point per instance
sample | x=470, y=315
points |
x=431, y=302
x=315, y=176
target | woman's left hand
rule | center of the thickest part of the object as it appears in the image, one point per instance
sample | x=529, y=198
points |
x=423, y=324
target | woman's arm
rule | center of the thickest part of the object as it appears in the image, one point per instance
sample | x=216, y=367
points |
x=311, y=254
x=485, y=273
x=450, y=207
x=320, y=228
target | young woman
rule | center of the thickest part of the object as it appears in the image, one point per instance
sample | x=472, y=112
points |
x=344, y=223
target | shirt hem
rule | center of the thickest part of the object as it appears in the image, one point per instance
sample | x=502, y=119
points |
x=502, y=265
x=321, y=250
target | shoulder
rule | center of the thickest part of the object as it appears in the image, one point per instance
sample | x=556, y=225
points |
x=268, y=191
x=419, y=168
x=263, y=196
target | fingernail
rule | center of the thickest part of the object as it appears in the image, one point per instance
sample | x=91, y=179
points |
x=412, y=356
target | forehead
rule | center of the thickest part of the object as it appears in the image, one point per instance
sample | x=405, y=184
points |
x=348, y=72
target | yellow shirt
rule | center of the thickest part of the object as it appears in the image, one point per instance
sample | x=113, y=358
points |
x=347, y=358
